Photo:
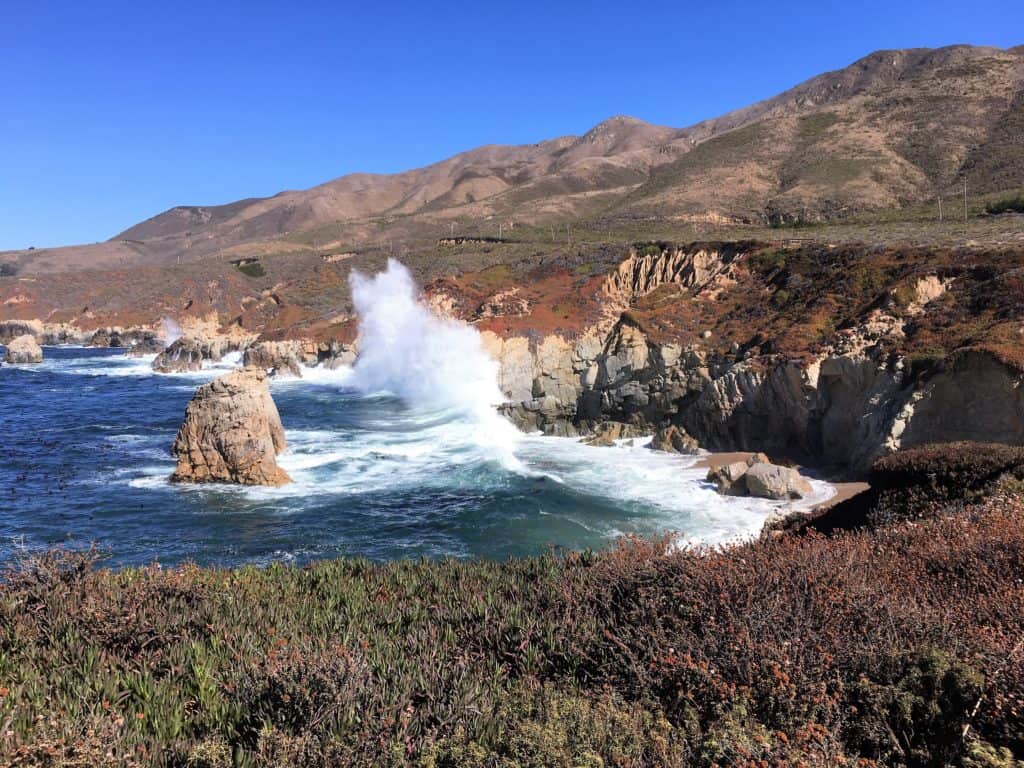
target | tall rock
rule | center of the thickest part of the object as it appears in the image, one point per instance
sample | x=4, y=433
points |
x=232, y=433
x=23, y=349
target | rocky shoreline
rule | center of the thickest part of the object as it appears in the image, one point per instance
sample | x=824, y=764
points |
x=838, y=405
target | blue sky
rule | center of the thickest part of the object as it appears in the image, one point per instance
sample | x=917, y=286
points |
x=112, y=112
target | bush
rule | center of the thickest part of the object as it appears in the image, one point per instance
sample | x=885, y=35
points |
x=879, y=645
x=252, y=269
x=1006, y=205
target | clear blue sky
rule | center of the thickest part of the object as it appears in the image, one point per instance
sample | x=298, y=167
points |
x=111, y=112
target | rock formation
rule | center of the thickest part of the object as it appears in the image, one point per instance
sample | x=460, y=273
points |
x=674, y=440
x=231, y=433
x=23, y=349
x=757, y=477
x=290, y=355
x=279, y=357
x=844, y=404
x=607, y=433
x=189, y=352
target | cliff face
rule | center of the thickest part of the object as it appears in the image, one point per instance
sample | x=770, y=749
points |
x=856, y=393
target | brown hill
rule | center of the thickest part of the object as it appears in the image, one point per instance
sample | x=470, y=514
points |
x=891, y=130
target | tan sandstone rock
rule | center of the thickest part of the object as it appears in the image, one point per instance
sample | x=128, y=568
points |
x=23, y=349
x=232, y=433
x=770, y=481
x=758, y=477
x=674, y=440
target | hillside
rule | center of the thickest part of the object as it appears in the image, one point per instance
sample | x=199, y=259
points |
x=891, y=130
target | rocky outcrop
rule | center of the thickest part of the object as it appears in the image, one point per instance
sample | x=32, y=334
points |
x=232, y=433
x=280, y=357
x=607, y=433
x=12, y=329
x=852, y=402
x=146, y=343
x=189, y=352
x=503, y=304
x=23, y=349
x=673, y=439
x=760, y=478
x=640, y=274
x=288, y=357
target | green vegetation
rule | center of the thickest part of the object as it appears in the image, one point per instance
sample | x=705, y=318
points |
x=252, y=269
x=887, y=647
x=649, y=249
x=1007, y=204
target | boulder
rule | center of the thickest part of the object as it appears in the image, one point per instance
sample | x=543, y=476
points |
x=232, y=433
x=674, y=440
x=23, y=349
x=729, y=478
x=770, y=481
x=105, y=337
x=757, y=476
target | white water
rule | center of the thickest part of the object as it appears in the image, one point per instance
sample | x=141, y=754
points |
x=433, y=365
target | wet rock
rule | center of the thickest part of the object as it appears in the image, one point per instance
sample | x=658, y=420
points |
x=23, y=349
x=277, y=357
x=729, y=478
x=758, y=477
x=189, y=352
x=607, y=433
x=232, y=433
x=148, y=343
x=674, y=440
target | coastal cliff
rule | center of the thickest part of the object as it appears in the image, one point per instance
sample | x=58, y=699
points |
x=841, y=399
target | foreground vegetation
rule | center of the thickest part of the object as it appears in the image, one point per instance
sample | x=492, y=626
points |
x=900, y=645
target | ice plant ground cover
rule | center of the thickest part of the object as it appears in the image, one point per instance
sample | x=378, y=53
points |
x=900, y=645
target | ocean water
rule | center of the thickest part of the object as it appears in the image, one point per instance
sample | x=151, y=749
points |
x=84, y=458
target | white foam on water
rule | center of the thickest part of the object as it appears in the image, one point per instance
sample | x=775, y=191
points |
x=432, y=364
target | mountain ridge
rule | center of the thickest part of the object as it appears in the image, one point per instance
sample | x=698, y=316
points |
x=892, y=129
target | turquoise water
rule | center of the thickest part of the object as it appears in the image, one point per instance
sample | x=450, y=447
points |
x=85, y=459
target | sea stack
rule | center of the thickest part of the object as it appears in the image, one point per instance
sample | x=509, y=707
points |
x=232, y=433
x=23, y=349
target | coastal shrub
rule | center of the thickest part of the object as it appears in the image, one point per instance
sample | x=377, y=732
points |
x=252, y=269
x=892, y=646
x=923, y=481
x=1013, y=204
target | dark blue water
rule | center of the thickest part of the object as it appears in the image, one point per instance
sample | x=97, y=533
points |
x=84, y=458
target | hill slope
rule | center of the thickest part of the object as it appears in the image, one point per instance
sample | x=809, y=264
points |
x=893, y=129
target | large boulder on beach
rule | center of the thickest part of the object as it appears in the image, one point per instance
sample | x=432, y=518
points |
x=728, y=478
x=23, y=349
x=770, y=481
x=232, y=433
x=760, y=478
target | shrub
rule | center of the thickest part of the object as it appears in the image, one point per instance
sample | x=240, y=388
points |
x=879, y=645
x=252, y=269
x=1006, y=205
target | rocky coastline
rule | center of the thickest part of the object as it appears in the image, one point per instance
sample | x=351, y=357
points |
x=838, y=405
